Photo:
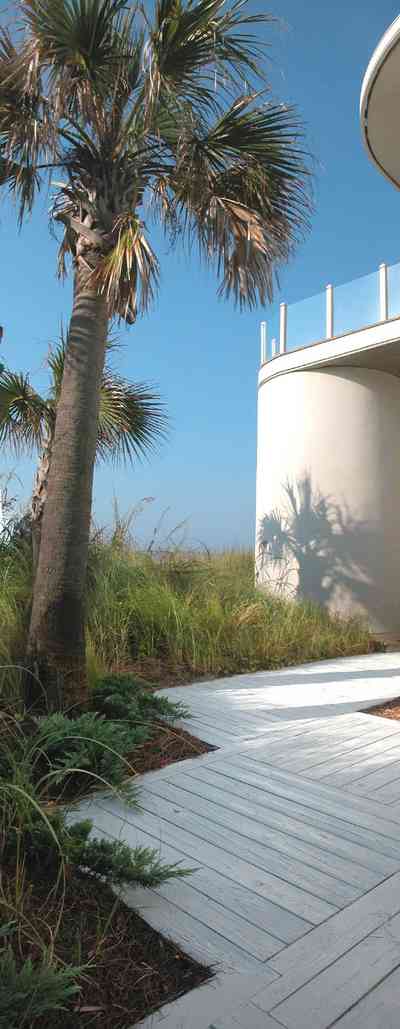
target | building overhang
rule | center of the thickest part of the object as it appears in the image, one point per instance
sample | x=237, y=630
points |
x=375, y=347
x=380, y=105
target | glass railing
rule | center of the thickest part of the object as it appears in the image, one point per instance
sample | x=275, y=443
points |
x=394, y=290
x=306, y=322
x=356, y=304
x=365, y=301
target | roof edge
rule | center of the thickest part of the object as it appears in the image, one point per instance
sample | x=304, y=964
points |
x=389, y=40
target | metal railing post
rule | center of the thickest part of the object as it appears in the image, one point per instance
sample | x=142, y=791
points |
x=282, y=328
x=329, y=313
x=383, y=293
x=263, y=335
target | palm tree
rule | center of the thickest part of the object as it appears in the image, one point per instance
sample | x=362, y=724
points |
x=162, y=119
x=130, y=423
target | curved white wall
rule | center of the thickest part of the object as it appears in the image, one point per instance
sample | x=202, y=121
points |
x=337, y=431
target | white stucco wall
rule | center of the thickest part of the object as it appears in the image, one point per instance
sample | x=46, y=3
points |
x=337, y=431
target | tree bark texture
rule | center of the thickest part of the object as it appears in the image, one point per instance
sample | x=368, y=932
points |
x=39, y=497
x=56, y=642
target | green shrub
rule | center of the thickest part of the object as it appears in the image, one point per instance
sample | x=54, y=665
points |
x=45, y=842
x=86, y=751
x=116, y=863
x=35, y=835
x=131, y=699
x=33, y=989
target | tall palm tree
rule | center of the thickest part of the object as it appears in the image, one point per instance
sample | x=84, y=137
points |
x=131, y=422
x=156, y=118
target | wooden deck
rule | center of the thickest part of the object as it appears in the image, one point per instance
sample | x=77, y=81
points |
x=293, y=830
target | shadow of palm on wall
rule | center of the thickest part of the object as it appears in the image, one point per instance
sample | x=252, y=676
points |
x=313, y=547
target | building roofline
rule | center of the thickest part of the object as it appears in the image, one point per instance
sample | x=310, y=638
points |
x=386, y=45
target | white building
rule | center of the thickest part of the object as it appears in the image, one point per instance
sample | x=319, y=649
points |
x=328, y=456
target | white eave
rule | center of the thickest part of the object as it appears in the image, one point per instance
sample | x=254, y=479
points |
x=380, y=105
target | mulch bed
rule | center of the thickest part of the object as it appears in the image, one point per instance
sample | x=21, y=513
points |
x=390, y=709
x=131, y=969
x=163, y=674
x=167, y=744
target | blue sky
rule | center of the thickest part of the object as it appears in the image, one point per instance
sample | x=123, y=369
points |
x=201, y=353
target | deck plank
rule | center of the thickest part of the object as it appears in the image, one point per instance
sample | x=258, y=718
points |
x=298, y=964
x=194, y=851
x=328, y=834
x=331, y=993
x=380, y=1007
x=318, y=796
x=317, y=853
x=289, y=867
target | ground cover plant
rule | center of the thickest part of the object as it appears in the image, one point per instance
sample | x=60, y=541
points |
x=62, y=920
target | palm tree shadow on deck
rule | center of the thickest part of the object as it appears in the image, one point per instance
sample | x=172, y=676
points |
x=313, y=549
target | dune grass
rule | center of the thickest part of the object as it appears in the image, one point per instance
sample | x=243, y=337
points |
x=178, y=615
x=199, y=614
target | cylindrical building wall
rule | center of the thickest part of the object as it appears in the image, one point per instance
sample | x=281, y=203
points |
x=328, y=490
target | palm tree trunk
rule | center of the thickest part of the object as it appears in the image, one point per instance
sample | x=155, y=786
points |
x=39, y=496
x=56, y=642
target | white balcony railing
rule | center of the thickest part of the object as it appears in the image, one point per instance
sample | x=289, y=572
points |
x=334, y=312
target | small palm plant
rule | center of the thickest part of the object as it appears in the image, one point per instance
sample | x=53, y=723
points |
x=131, y=422
x=147, y=117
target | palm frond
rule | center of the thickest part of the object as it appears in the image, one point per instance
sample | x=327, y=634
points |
x=56, y=362
x=192, y=43
x=23, y=182
x=242, y=54
x=129, y=272
x=24, y=125
x=80, y=44
x=24, y=414
x=244, y=189
x=132, y=420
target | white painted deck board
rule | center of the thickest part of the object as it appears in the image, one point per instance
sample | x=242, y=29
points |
x=330, y=994
x=348, y=752
x=317, y=853
x=205, y=944
x=277, y=804
x=247, y=1017
x=300, y=964
x=235, y=929
x=290, y=867
x=358, y=811
x=380, y=765
x=193, y=851
x=295, y=821
x=390, y=793
x=331, y=765
x=380, y=1008
x=293, y=829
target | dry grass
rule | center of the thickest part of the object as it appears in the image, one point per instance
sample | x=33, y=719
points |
x=178, y=616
